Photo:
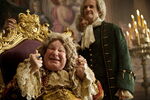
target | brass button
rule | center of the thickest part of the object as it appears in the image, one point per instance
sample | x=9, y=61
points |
x=105, y=45
x=111, y=78
x=91, y=54
x=108, y=61
x=107, y=53
x=105, y=37
x=91, y=60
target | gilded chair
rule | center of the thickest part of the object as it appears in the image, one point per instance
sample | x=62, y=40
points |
x=18, y=43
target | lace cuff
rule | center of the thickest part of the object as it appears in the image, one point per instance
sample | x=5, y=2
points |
x=124, y=94
x=89, y=87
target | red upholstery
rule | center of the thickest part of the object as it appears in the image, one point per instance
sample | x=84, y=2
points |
x=10, y=59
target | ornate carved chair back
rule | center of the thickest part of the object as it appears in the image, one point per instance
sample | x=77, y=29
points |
x=18, y=43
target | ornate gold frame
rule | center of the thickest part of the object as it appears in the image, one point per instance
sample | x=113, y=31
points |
x=28, y=27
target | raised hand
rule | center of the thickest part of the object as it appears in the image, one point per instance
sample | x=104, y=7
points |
x=36, y=61
x=10, y=24
x=80, y=67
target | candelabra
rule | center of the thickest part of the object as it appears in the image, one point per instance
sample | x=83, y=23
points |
x=138, y=39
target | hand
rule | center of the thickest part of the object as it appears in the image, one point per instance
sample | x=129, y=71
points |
x=36, y=62
x=80, y=67
x=10, y=24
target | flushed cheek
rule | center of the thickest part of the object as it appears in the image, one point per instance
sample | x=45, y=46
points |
x=88, y=12
x=63, y=59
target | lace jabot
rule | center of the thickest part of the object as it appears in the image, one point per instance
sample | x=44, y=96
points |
x=88, y=34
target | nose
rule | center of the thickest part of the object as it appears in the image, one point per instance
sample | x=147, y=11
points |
x=55, y=53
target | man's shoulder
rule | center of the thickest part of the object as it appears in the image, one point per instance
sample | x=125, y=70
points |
x=112, y=25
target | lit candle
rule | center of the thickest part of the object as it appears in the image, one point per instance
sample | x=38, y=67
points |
x=128, y=39
x=147, y=37
x=132, y=19
x=130, y=31
x=138, y=17
x=142, y=20
x=126, y=35
x=138, y=37
x=129, y=25
x=132, y=16
x=145, y=25
x=135, y=24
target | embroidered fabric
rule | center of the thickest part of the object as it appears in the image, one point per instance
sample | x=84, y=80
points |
x=31, y=85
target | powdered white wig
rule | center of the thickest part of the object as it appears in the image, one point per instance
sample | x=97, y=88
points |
x=100, y=6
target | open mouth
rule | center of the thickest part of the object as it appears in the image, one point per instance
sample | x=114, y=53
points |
x=89, y=12
x=54, y=59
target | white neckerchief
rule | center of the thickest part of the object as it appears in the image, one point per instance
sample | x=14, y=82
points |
x=88, y=34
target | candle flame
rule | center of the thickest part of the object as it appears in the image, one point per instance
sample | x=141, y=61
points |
x=132, y=16
x=129, y=25
x=135, y=22
x=142, y=17
x=145, y=23
x=138, y=12
x=136, y=30
x=127, y=33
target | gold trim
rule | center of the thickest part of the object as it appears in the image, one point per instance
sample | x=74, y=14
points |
x=58, y=94
x=28, y=27
x=111, y=78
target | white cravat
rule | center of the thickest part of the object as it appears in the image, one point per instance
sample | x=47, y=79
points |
x=88, y=34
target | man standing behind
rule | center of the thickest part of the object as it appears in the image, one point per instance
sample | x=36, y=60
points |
x=105, y=48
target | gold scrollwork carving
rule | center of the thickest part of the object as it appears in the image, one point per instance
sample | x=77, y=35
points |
x=28, y=27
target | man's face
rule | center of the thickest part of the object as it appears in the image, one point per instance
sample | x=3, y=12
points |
x=83, y=23
x=55, y=56
x=90, y=11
